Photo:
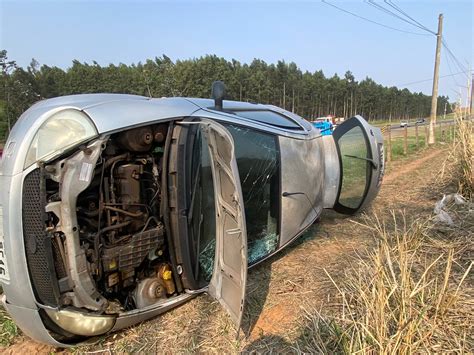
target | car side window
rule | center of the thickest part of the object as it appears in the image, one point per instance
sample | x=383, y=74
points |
x=354, y=154
x=258, y=161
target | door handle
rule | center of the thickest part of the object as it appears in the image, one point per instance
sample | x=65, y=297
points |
x=233, y=231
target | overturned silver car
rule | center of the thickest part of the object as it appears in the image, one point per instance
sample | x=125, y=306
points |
x=116, y=208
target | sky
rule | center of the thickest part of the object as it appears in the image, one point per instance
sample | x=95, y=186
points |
x=312, y=34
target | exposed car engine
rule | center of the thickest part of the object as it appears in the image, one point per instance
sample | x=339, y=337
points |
x=119, y=225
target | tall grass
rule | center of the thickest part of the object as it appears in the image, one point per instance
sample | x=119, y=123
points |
x=459, y=165
x=413, y=292
x=407, y=295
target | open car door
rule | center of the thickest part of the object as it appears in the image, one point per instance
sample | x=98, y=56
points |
x=361, y=164
x=230, y=267
x=229, y=271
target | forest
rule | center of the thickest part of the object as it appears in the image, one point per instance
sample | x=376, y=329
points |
x=309, y=94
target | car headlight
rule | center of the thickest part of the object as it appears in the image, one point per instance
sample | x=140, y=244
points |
x=59, y=132
x=81, y=323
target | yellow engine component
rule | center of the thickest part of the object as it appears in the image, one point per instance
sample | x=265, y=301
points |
x=166, y=276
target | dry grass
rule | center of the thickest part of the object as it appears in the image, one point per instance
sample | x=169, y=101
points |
x=459, y=165
x=412, y=293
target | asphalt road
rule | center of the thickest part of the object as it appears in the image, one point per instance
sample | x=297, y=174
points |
x=426, y=123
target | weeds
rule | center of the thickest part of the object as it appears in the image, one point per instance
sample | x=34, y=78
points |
x=8, y=329
x=409, y=294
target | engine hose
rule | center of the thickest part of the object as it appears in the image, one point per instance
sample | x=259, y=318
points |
x=109, y=162
x=119, y=210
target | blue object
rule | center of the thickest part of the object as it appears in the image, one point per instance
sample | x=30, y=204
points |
x=324, y=126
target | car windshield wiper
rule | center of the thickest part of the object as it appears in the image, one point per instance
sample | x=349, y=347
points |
x=374, y=165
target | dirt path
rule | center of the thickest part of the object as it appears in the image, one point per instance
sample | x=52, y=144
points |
x=409, y=167
x=281, y=289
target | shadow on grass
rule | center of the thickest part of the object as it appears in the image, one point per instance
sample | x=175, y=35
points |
x=316, y=334
x=259, y=278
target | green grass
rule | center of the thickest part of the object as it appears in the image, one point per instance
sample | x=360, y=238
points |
x=412, y=147
x=8, y=329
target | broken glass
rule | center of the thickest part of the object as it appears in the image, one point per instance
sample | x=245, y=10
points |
x=258, y=161
x=257, y=158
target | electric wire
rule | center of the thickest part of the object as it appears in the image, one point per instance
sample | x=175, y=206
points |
x=450, y=56
x=444, y=42
x=448, y=62
x=426, y=80
x=374, y=22
x=450, y=52
x=453, y=56
x=387, y=11
x=399, y=9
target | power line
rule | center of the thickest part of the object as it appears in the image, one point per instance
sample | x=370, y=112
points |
x=455, y=59
x=426, y=80
x=374, y=22
x=448, y=61
x=391, y=13
x=419, y=25
x=399, y=9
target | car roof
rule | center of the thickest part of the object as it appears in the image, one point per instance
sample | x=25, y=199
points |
x=111, y=112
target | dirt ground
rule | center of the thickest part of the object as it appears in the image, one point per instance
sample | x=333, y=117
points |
x=283, y=289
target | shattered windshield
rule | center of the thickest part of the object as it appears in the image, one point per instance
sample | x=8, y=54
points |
x=258, y=161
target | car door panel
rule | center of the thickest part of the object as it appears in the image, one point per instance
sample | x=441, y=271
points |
x=302, y=177
x=229, y=276
x=361, y=164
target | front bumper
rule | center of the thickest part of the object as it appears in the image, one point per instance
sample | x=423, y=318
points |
x=18, y=298
x=28, y=308
x=30, y=322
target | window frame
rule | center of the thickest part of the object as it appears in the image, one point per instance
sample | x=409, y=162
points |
x=278, y=197
x=236, y=111
x=369, y=169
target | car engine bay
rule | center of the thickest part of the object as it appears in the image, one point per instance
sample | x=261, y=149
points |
x=115, y=255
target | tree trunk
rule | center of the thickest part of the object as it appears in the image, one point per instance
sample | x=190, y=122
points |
x=284, y=95
x=293, y=102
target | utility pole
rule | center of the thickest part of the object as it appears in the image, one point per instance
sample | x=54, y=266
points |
x=434, y=97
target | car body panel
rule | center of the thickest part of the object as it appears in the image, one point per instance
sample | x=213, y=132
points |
x=300, y=210
x=127, y=319
x=129, y=113
x=18, y=287
x=31, y=323
x=310, y=180
x=331, y=171
x=229, y=277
